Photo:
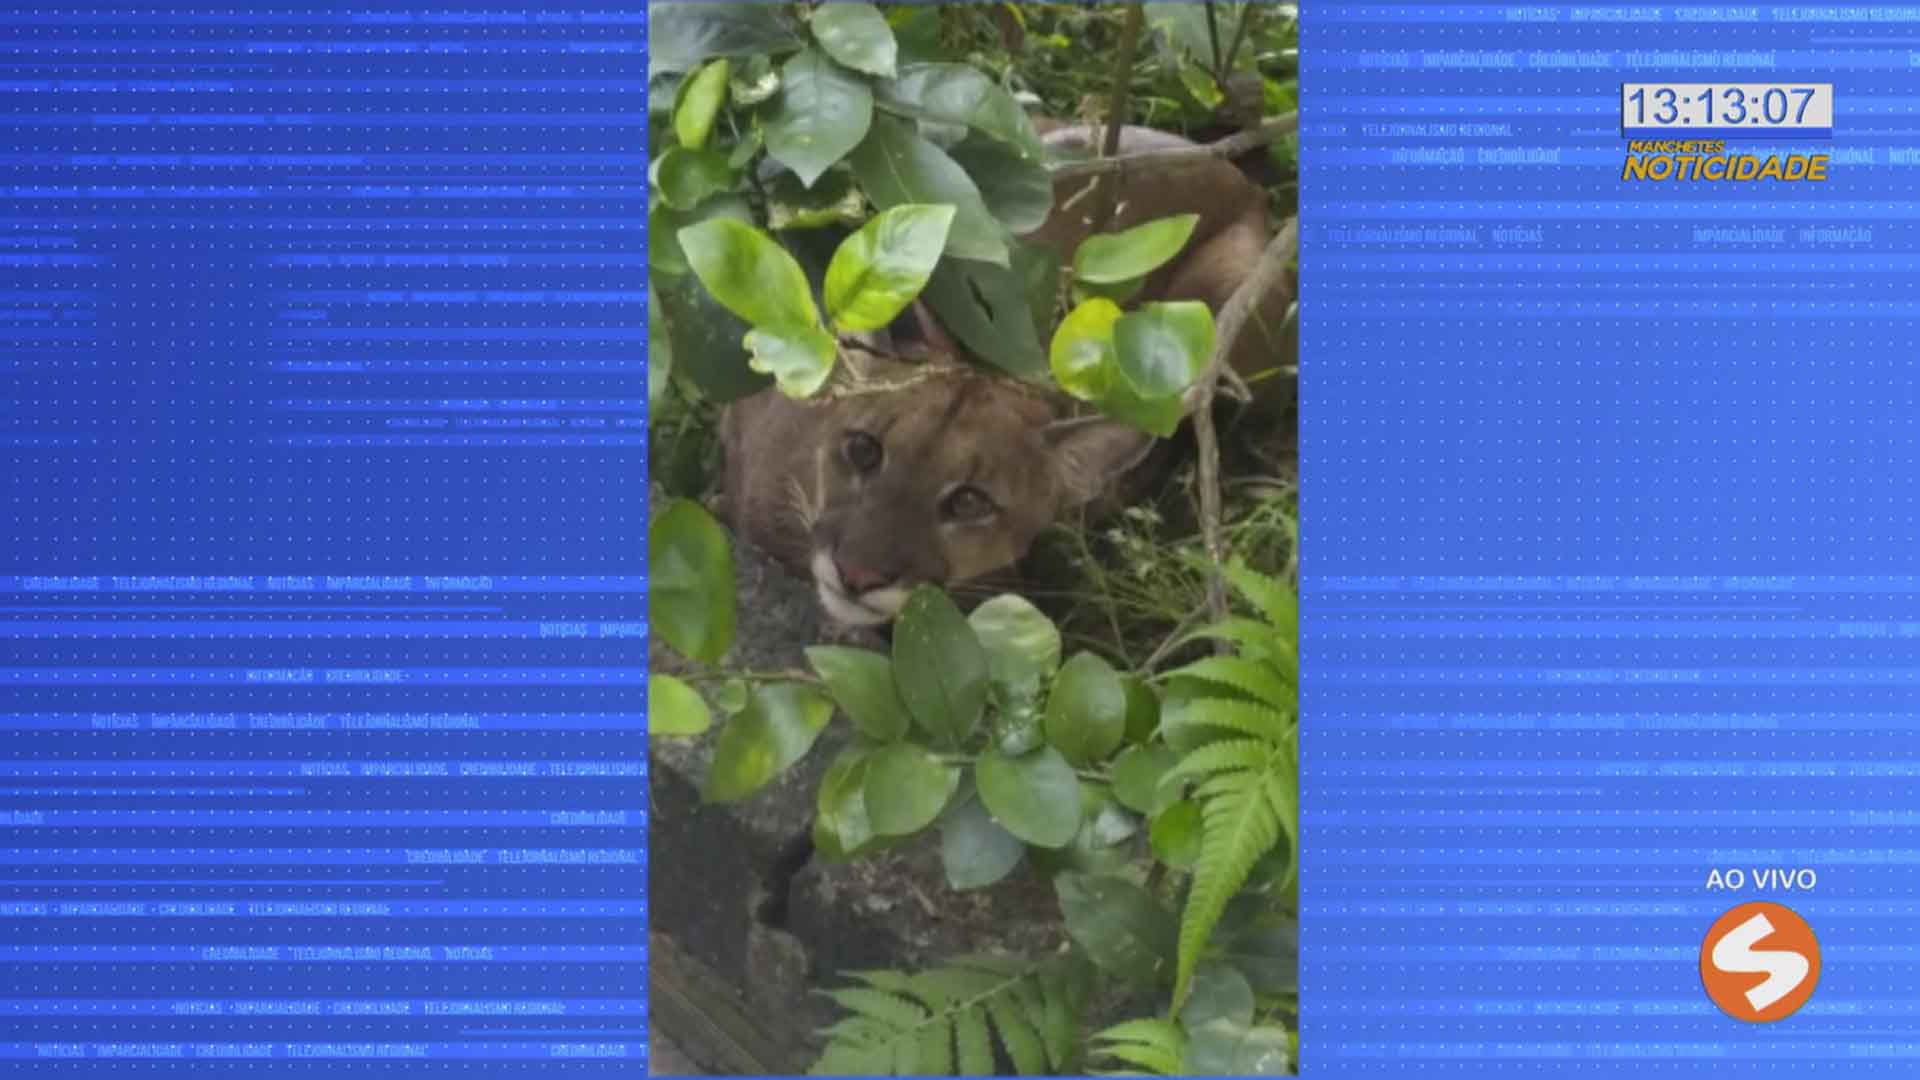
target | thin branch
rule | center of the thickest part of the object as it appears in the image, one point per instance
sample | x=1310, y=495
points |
x=1213, y=38
x=1109, y=195
x=1267, y=276
x=1239, y=33
x=1229, y=147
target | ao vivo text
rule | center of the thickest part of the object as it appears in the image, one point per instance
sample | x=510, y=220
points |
x=1767, y=877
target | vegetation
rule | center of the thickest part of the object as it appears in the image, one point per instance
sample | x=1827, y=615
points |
x=816, y=169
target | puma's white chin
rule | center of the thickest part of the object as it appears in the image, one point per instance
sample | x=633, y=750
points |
x=874, y=608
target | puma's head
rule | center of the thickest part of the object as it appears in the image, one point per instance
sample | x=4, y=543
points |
x=941, y=481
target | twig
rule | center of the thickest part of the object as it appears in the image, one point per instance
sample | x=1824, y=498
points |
x=1213, y=38
x=1239, y=33
x=1109, y=191
x=1232, y=146
x=1267, y=275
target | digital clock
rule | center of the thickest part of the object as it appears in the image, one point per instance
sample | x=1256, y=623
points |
x=1727, y=110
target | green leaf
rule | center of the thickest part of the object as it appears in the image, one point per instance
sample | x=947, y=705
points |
x=1219, y=993
x=897, y=167
x=1223, y=1048
x=674, y=708
x=1137, y=252
x=681, y=36
x=1157, y=1045
x=691, y=597
x=1258, y=681
x=1119, y=925
x=1175, y=835
x=700, y=102
x=1022, y=644
x=800, y=358
x=906, y=788
x=861, y=681
x=731, y=696
x=823, y=112
x=1035, y=796
x=1269, y=956
x=975, y=850
x=939, y=666
x=778, y=727
x=706, y=337
x=1201, y=85
x=840, y=824
x=1017, y=1034
x=1137, y=774
x=1082, y=355
x=1015, y=186
x=876, y=272
x=959, y=95
x=659, y=358
x=1156, y=416
x=857, y=35
x=1163, y=348
x=1087, y=710
x=751, y=274
x=991, y=310
x=688, y=178
x=1143, y=709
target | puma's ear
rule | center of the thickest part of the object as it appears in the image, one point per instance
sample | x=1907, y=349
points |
x=1091, y=453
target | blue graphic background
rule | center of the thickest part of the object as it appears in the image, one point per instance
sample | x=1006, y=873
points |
x=1611, y=535
x=322, y=534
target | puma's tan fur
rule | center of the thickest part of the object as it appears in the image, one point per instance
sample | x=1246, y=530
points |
x=903, y=474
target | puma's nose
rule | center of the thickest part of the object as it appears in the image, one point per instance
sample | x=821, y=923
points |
x=859, y=579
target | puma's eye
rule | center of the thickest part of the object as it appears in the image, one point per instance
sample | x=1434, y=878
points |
x=968, y=504
x=863, y=451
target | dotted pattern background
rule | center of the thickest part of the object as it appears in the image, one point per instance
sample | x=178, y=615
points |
x=1609, y=510
x=322, y=562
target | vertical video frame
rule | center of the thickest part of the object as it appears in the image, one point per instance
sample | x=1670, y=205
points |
x=973, y=544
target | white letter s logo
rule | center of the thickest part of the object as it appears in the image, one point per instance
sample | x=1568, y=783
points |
x=1735, y=954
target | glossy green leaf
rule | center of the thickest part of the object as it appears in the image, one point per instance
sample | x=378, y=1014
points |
x=1015, y=186
x=1163, y=348
x=1035, y=796
x=674, y=708
x=961, y=96
x=1023, y=645
x=974, y=849
x=800, y=358
x=690, y=587
x=840, y=824
x=688, y=178
x=822, y=114
x=706, y=337
x=939, y=666
x=1136, y=252
x=777, y=728
x=991, y=310
x=897, y=167
x=754, y=81
x=857, y=35
x=1220, y=992
x=1157, y=416
x=876, y=272
x=833, y=200
x=1137, y=773
x=682, y=36
x=1082, y=354
x=700, y=102
x=1119, y=925
x=906, y=788
x=1175, y=834
x=861, y=681
x=752, y=275
x=1087, y=710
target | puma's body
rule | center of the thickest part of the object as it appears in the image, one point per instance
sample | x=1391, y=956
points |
x=899, y=475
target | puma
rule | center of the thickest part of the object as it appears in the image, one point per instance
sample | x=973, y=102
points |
x=901, y=474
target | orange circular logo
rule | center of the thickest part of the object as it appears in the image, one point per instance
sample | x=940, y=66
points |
x=1760, y=962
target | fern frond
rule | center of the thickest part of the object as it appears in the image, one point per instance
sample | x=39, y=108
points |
x=1157, y=1046
x=1244, y=717
x=1274, y=599
x=1262, y=682
x=1244, y=809
x=928, y=1023
x=1254, y=638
